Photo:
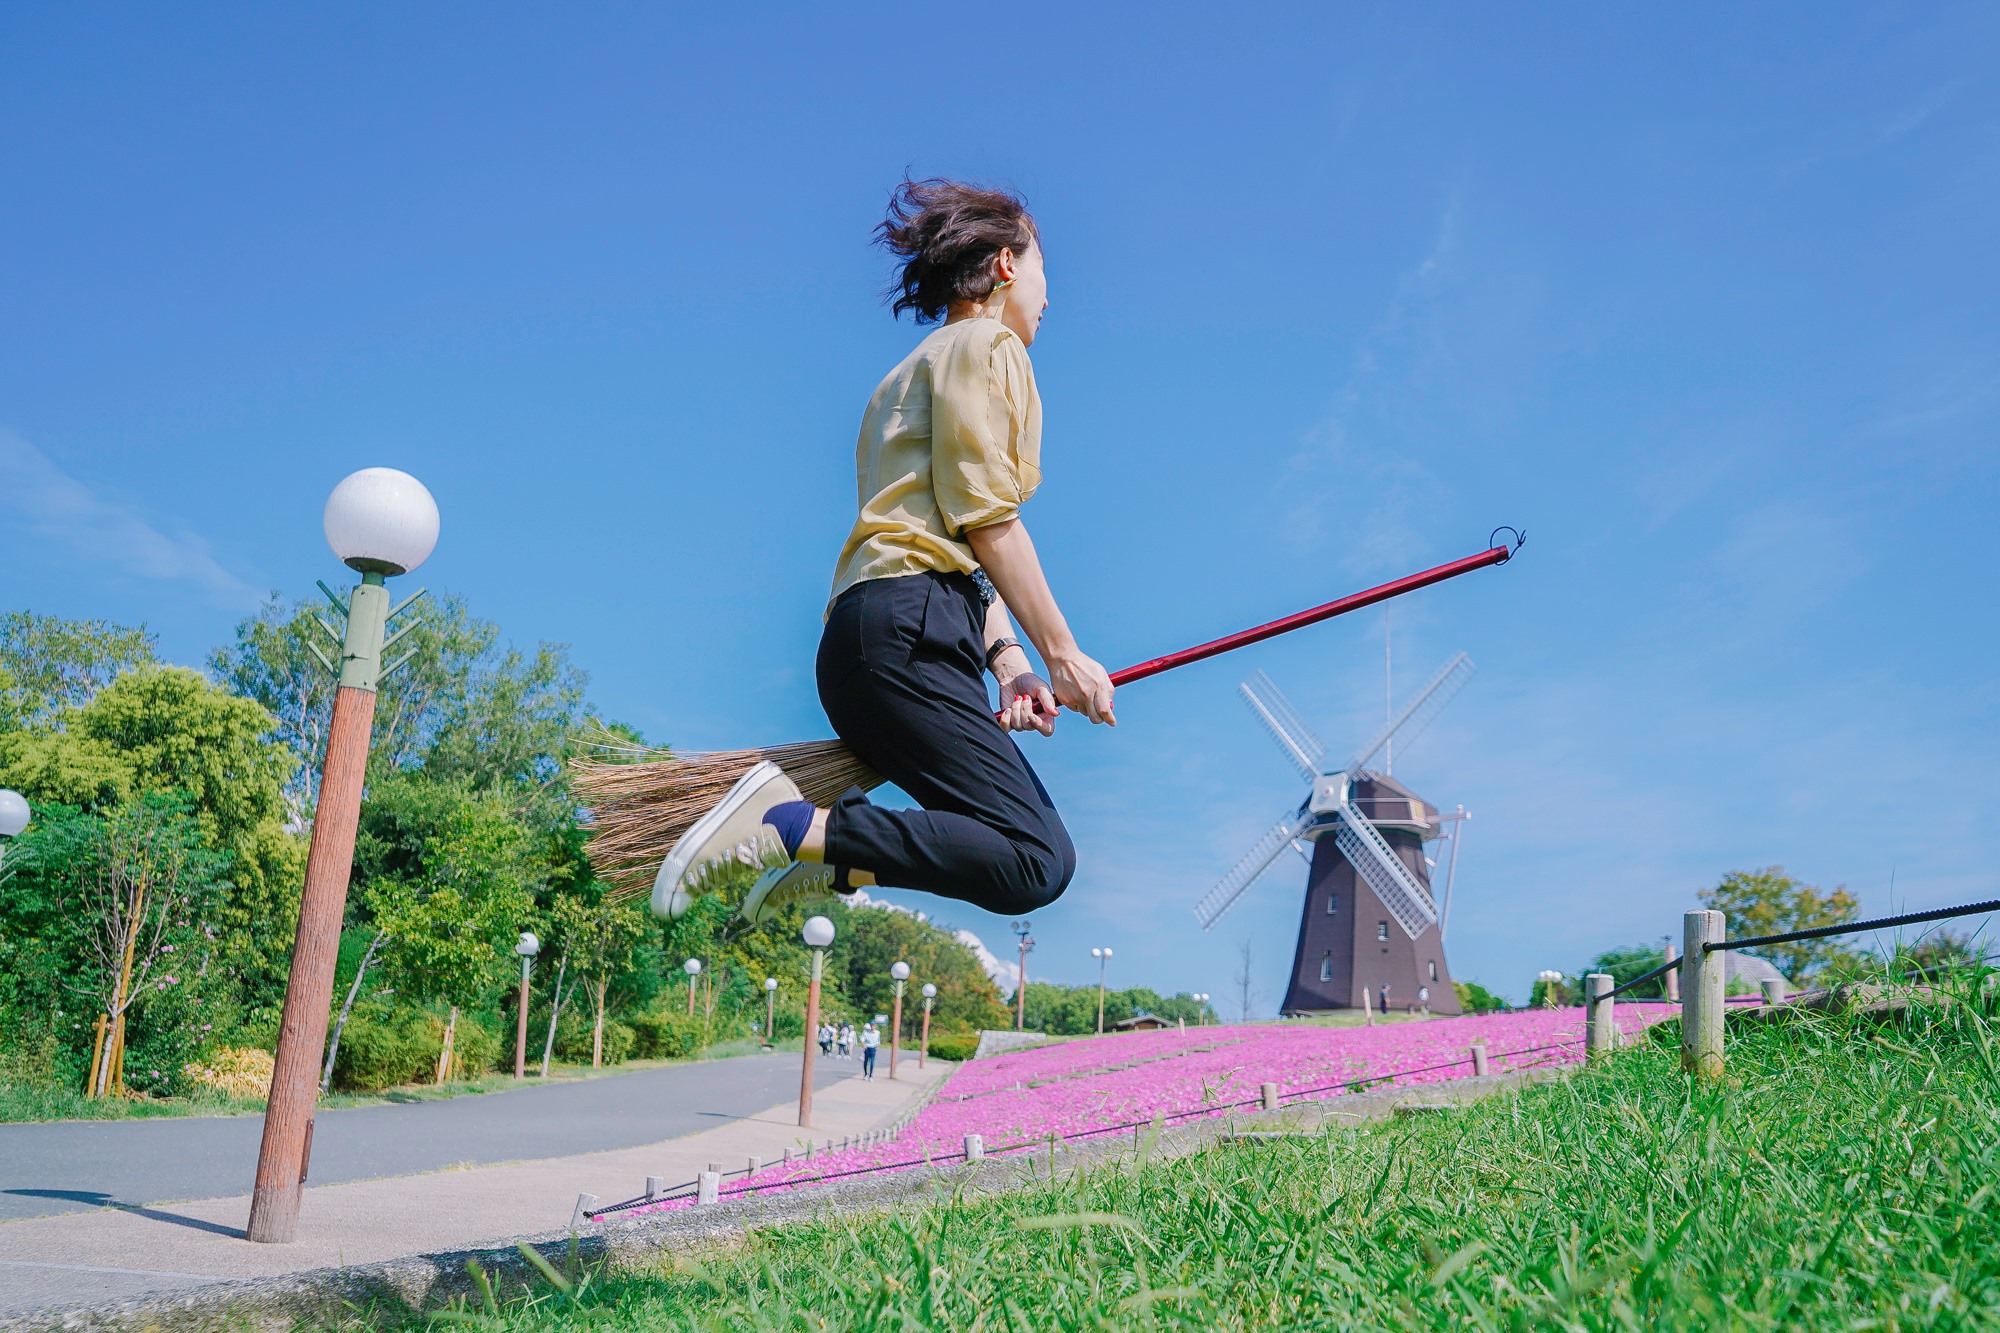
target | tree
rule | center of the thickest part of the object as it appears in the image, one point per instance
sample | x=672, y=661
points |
x=598, y=939
x=1770, y=902
x=49, y=665
x=1632, y=961
x=139, y=883
x=1474, y=998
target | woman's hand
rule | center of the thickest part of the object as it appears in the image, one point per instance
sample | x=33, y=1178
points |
x=1084, y=686
x=1027, y=704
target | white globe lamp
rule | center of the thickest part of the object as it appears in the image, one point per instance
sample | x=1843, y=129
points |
x=381, y=521
x=818, y=932
x=900, y=971
x=14, y=813
x=930, y=991
x=529, y=945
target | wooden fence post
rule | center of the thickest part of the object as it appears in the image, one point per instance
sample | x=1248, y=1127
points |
x=975, y=1148
x=655, y=1186
x=1269, y=1091
x=1702, y=1008
x=1774, y=990
x=1479, y=1058
x=709, y=1190
x=1600, y=1037
x=1673, y=975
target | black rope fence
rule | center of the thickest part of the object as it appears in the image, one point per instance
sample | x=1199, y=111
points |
x=1816, y=933
x=692, y=1188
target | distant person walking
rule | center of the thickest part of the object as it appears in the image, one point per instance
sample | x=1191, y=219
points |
x=935, y=574
x=826, y=1039
x=847, y=1041
x=870, y=1039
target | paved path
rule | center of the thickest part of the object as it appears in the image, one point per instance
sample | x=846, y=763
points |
x=121, y=1252
x=73, y=1165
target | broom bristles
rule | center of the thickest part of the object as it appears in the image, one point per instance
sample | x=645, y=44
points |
x=641, y=800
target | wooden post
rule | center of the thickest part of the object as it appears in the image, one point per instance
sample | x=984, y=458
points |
x=655, y=1186
x=1368, y=1006
x=288, y=1112
x=521, y=1025
x=756, y=1165
x=1702, y=998
x=1269, y=1092
x=895, y=1029
x=1673, y=975
x=584, y=1203
x=1600, y=1038
x=975, y=1148
x=708, y=1187
x=1774, y=990
x=812, y=1041
x=97, y=1055
x=1479, y=1059
x=925, y=1049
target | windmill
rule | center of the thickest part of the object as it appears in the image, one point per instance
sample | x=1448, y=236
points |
x=1370, y=923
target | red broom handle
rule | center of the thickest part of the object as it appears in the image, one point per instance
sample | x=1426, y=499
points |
x=1497, y=555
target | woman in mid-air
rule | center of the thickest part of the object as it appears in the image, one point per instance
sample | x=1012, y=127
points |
x=934, y=576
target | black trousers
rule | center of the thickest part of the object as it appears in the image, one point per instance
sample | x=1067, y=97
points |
x=902, y=677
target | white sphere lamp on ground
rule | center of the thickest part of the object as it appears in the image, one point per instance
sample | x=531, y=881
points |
x=381, y=521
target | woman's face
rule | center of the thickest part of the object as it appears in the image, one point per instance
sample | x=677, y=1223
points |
x=1028, y=297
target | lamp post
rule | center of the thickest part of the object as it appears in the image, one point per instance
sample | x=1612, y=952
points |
x=930, y=993
x=899, y=972
x=380, y=522
x=14, y=816
x=1549, y=978
x=1021, y=987
x=528, y=947
x=818, y=933
x=693, y=968
x=1103, y=957
x=770, y=1012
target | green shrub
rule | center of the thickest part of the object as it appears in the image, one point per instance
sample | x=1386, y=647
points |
x=661, y=1032
x=383, y=1046
x=476, y=1048
x=954, y=1045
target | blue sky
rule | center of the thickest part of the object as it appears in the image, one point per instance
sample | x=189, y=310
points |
x=1701, y=296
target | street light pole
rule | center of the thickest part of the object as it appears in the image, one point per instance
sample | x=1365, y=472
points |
x=527, y=948
x=900, y=972
x=818, y=933
x=770, y=1012
x=1103, y=957
x=1021, y=986
x=930, y=993
x=693, y=969
x=380, y=522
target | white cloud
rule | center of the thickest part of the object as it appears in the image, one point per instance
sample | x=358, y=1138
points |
x=54, y=505
x=1003, y=974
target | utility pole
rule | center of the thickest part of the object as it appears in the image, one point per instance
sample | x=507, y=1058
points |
x=1021, y=986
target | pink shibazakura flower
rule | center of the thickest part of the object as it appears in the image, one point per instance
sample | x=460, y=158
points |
x=1078, y=1088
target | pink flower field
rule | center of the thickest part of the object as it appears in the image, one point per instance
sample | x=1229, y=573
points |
x=1020, y=1099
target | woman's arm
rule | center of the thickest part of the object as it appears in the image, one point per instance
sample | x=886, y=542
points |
x=1007, y=554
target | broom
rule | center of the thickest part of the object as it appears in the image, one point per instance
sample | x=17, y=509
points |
x=641, y=799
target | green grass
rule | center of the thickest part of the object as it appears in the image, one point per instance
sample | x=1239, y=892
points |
x=21, y=1101
x=1843, y=1176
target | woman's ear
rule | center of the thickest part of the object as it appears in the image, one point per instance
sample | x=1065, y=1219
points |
x=1004, y=264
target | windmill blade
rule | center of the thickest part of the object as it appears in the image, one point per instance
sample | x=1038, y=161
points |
x=1372, y=858
x=1418, y=714
x=1237, y=882
x=1282, y=720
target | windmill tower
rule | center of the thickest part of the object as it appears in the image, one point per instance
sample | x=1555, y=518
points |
x=1370, y=922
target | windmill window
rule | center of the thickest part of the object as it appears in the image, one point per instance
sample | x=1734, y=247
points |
x=1332, y=904
x=1326, y=969
x=1434, y=969
x=1381, y=930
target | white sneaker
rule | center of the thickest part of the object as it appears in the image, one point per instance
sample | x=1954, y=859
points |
x=733, y=832
x=781, y=886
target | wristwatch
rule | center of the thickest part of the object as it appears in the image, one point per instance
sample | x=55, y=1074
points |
x=999, y=646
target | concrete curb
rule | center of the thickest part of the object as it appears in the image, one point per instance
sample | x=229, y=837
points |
x=370, y=1295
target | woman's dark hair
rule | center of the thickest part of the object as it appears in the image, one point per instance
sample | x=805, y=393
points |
x=946, y=234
